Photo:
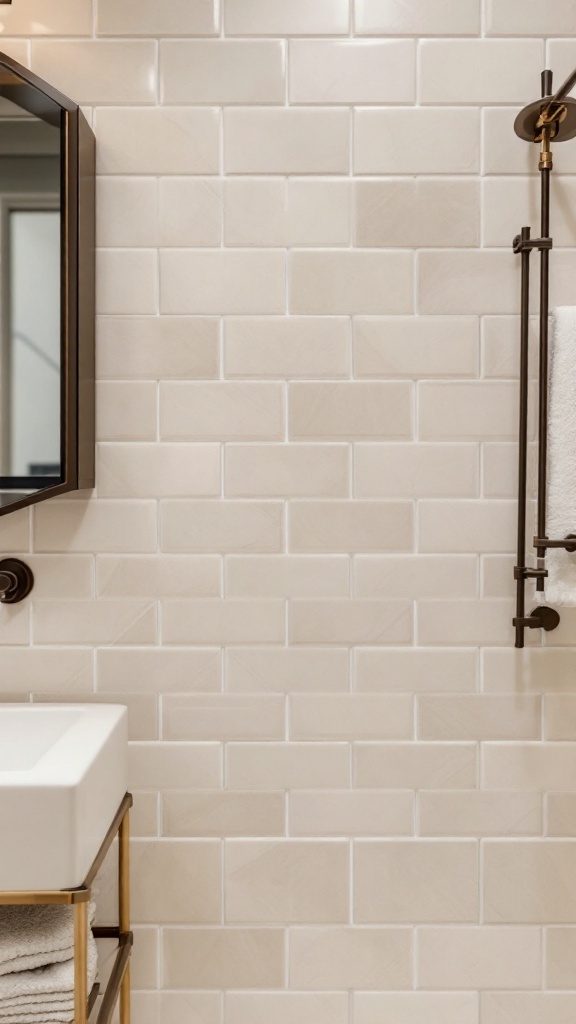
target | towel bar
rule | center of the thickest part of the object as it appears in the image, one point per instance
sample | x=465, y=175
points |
x=553, y=117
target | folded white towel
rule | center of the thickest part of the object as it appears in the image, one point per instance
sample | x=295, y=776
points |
x=36, y=936
x=560, y=585
x=55, y=981
x=63, y=1010
x=59, y=1017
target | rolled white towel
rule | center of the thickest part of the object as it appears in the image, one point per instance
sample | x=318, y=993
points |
x=36, y=936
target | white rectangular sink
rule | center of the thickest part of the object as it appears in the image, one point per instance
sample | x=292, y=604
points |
x=63, y=773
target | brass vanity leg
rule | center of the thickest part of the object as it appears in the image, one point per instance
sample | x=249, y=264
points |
x=80, y=962
x=124, y=908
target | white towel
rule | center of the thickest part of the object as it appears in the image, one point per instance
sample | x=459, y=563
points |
x=35, y=936
x=560, y=584
x=56, y=981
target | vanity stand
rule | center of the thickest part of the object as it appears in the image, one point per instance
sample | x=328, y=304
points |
x=119, y=982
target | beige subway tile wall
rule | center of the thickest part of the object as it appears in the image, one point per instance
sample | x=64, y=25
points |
x=355, y=803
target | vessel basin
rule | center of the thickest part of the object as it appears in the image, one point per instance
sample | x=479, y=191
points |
x=63, y=774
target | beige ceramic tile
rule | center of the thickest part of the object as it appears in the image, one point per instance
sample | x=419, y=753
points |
x=353, y=958
x=126, y=411
x=158, y=470
x=466, y=411
x=278, y=766
x=158, y=576
x=175, y=140
x=482, y=957
x=222, y=717
x=126, y=621
x=15, y=531
x=466, y=281
x=497, y=571
x=351, y=813
x=415, y=347
x=142, y=709
x=420, y=18
x=153, y=17
x=255, y=212
x=515, y=18
x=475, y=813
x=108, y=526
x=351, y=716
x=406, y=141
x=319, y=212
x=126, y=211
x=207, y=526
x=189, y=211
x=414, y=1007
x=286, y=347
x=46, y=669
x=467, y=623
x=351, y=622
x=479, y=717
x=286, y=1007
x=351, y=282
x=127, y=281
x=348, y=526
x=193, y=1007
x=501, y=347
x=223, y=622
x=218, y=958
x=286, y=881
x=216, y=813
x=144, y=815
x=222, y=72
x=461, y=526
x=225, y=281
x=93, y=73
x=537, y=766
x=560, y=720
x=260, y=141
x=71, y=17
x=415, y=576
x=415, y=470
x=560, y=958
x=166, y=886
x=218, y=411
x=293, y=470
x=368, y=410
x=417, y=212
x=561, y=814
x=418, y=671
x=154, y=348
x=415, y=765
x=530, y=1007
x=481, y=70
x=500, y=469
x=286, y=17
x=282, y=576
x=529, y=881
x=283, y=669
x=158, y=670
x=175, y=765
x=352, y=72
x=392, y=881
x=62, y=575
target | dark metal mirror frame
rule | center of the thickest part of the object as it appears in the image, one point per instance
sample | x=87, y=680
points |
x=77, y=308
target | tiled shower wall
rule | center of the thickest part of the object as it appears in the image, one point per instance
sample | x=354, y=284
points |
x=354, y=801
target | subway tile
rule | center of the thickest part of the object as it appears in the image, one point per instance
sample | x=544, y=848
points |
x=406, y=141
x=280, y=766
x=318, y=212
x=331, y=282
x=175, y=765
x=415, y=470
x=415, y=765
x=158, y=576
x=45, y=670
x=207, y=526
x=286, y=141
x=352, y=71
x=222, y=717
x=127, y=281
x=99, y=72
x=560, y=958
x=466, y=281
x=16, y=628
x=560, y=718
x=408, y=347
x=222, y=813
x=157, y=348
x=190, y=212
x=222, y=71
x=158, y=470
x=413, y=1007
x=126, y=411
x=561, y=814
x=107, y=526
x=501, y=346
x=193, y=1007
x=417, y=212
x=475, y=813
x=392, y=881
x=484, y=957
x=175, y=140
x=225, y=281
x=95, y=622
x=255, y=212
x=514, y=18
x=15, y=531
x=351, y=622
x=500, y=470
x=496, y=571
x=223, y=622
x=468, y=623
x=286, y=669
x=481, y=70
x=348, y=526
x=144, y=815
x=530, y=1007
x=221, y=411
x=160, y=670
x=351, y=716
x=62, y=575
x=479, y=717
x=126, y=211
x=294, y=470
x=415, y=576
x=529, y=881
x=415, y=671
x=216, y=958
x=278, y=212
x=536, y=766
x=286, y=347
x=142, y=709
x=288, y=577
x=468, y=411
x=462, y=526
x=366, y=410
x=351, y=813
x=286, y=1007
x=33, y=18
x=166, y=886
x=154, y=17
x=351, y=958
x=420, y=18
x=286, y=17
x=286, y=881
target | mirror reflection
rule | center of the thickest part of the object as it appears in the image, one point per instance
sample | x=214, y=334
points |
x=30, y=302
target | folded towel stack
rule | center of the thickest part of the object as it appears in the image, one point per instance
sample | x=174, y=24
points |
x=37, y=964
